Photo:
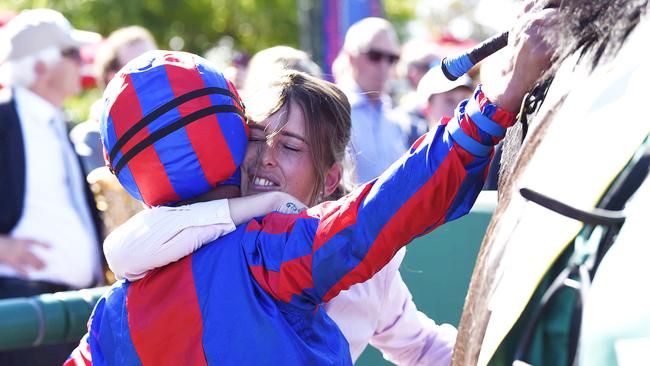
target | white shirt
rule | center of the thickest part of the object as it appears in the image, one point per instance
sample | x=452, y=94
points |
x=379, y=311
x=48, y=214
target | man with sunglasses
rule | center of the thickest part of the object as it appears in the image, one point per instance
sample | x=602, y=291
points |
x=48, y=224
x=371, y=50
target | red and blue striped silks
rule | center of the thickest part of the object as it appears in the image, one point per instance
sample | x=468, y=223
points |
x=336, y=17
x=172, y=127
x=252, y=297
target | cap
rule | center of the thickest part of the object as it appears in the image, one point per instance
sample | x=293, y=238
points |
x=172, y=127
x=36, y=29
x=434, y=82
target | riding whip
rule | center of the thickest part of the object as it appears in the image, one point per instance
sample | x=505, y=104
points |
x=441, y=77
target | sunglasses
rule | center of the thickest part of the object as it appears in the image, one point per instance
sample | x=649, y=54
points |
x=71, y=53
x=376, y=56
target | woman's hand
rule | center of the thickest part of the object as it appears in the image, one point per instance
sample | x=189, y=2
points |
x=243, y=209
x=288, y=204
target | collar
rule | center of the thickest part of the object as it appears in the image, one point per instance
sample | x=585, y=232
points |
x=34, y=109
x=358, y=98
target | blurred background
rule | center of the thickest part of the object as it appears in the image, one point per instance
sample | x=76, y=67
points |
x=229, y=32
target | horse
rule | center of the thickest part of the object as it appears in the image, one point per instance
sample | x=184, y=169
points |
x=580, y=139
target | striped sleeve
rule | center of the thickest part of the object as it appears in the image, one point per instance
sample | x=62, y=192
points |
x=80, y=356
x=309, y=258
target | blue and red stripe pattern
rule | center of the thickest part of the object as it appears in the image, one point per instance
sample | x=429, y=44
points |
x=173, y=127
x=252, y=297
x=437, y=181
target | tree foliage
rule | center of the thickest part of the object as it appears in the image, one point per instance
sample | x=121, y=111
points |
x=252, y=24
x=194, y=25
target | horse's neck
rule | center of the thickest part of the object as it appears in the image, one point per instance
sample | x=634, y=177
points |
x=515, y=159
x=516, y=155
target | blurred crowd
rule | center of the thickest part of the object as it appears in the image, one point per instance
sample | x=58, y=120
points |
x=60, y=201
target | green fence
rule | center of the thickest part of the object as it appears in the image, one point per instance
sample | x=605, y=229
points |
x=46, y=319
x=437, y=269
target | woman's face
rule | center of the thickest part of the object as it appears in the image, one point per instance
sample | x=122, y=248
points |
x=278, y=157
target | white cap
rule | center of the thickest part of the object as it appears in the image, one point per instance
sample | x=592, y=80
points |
x=33, y=30
x=435, y=82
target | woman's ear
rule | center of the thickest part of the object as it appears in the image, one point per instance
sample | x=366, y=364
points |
x=332, y=178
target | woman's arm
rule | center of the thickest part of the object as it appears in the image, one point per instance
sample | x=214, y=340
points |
x=244, y=209
x=161, y=235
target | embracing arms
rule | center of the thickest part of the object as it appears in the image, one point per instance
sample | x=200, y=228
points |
x=161, y=235
x=334, y=245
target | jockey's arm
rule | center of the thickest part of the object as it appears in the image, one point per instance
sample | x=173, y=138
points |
x=330, y=247
x=529, y=57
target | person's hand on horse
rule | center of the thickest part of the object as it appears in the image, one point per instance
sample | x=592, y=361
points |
x=530, y=55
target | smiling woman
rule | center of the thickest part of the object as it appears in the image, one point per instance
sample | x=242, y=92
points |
x=299, y=144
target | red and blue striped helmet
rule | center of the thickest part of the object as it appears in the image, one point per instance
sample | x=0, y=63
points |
x=173, y=127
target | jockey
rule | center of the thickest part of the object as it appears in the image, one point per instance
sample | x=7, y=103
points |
x=253, y=296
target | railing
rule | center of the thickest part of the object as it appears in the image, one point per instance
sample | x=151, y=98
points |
x=46, y=319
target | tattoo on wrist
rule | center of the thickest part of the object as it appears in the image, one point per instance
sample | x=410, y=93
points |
x=291, y=207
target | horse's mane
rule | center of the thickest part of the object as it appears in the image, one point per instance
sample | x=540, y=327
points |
x=591, y=31
x=595, y=28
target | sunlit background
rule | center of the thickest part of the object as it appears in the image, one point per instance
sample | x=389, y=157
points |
x=226, y=30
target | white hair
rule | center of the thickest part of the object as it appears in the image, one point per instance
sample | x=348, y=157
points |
x=361, y=33
x=22, y=72
x=266, y=65
x=341, y=69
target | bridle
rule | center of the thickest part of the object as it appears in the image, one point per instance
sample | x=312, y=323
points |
x=531, y=104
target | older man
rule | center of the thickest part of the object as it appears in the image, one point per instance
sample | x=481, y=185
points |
x=48, y=236
x=371, y=50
